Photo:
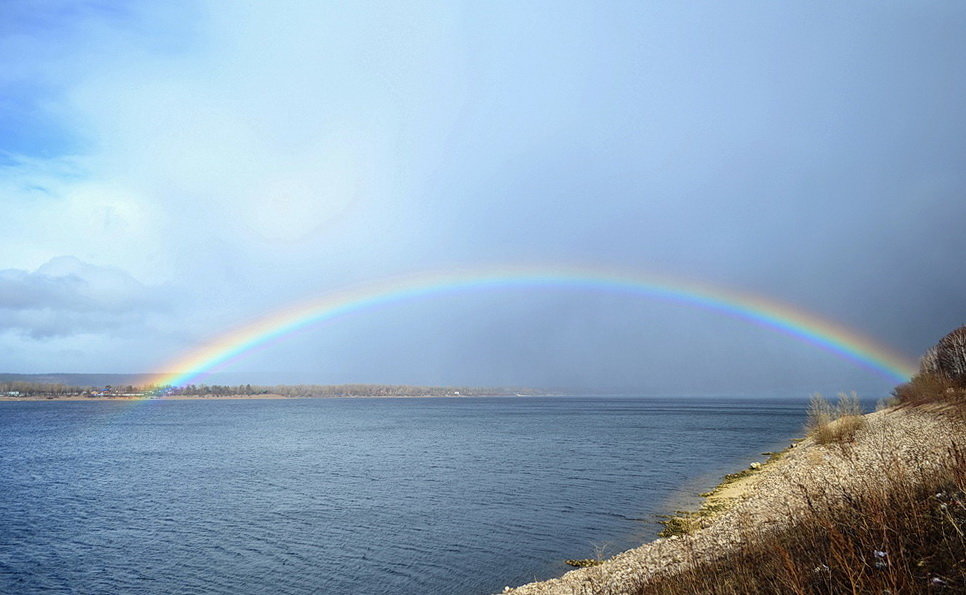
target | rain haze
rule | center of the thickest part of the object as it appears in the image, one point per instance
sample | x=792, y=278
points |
x=170, y=171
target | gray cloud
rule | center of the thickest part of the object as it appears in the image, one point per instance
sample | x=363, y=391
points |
x=250, y=159
x=67, y=296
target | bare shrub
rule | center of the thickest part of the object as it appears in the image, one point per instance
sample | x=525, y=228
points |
x=848, y=405
x=820, y=412
x=835, y=424
x=942, y=375
x=925, y=389
x=929, y=362
x=842, y=430
x=951, y=356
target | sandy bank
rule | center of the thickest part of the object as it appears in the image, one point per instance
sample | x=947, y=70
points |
x=772, y=496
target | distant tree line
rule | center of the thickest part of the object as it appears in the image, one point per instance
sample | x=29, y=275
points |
x=35, y=389
x=330, y=390
x=30, y=389
x=22, y=388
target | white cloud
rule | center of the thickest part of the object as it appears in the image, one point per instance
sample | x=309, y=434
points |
x=54, y=207
x=269, y=133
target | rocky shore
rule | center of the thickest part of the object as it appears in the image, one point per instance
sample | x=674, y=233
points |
x=772, y=495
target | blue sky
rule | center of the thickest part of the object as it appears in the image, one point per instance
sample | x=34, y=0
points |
x=169, y=170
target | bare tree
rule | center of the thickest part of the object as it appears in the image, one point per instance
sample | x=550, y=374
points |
x=929, y=362
x=951, y=355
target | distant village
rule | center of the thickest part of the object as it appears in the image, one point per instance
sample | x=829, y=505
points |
x=42, y=389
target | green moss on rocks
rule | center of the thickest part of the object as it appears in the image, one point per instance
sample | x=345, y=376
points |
x=583, y=563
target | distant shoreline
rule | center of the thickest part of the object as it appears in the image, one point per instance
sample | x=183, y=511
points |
x=267, y=397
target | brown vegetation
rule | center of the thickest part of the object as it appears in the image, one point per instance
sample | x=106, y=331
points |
x=834, y=424
x=941, y=379
x=901, y=535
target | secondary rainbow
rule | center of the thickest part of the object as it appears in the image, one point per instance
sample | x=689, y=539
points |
x=784, y=318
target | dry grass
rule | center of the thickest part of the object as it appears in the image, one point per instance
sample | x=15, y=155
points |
x=834, y=424
x=904, y=534
x=902, y=531
x=930, y=389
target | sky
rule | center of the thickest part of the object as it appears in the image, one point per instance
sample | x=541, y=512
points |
x=170, y=170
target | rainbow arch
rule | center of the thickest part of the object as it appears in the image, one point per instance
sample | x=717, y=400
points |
x=784, y=318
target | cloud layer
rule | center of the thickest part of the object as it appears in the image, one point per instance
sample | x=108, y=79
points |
x=248, y=158
x=67, y=297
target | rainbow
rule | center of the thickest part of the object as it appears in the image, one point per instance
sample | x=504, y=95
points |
x=783, y=318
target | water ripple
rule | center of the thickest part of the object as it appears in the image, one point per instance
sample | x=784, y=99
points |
x=349, y=496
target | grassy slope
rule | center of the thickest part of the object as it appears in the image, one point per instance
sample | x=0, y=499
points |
x=901, y=534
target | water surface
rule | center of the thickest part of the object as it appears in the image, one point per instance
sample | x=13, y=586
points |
x=351, y=495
